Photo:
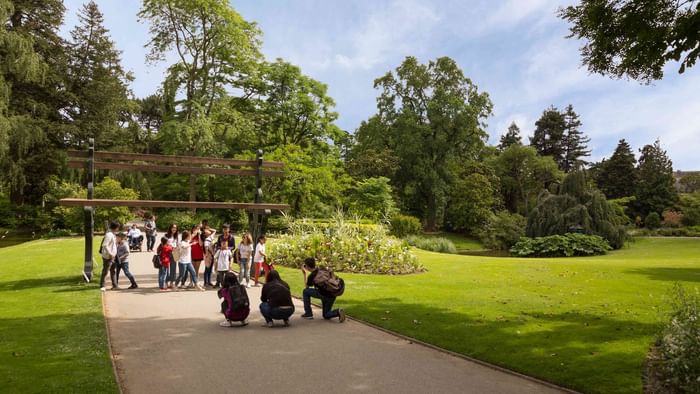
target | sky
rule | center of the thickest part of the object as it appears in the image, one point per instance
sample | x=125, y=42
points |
x=516, y=50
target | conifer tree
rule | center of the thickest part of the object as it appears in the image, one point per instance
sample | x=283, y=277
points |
x=511, y=137
x=617, y=177
x=96, y=81
x=655, y=189
x=575, y=143
x=548, y=139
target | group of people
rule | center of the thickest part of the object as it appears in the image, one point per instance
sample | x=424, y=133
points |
x=181, y=256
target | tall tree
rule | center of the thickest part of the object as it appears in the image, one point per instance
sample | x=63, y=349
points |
x=511, y=137
x=428, y=115
x=32, y=64
x=548, y=138
x=636, y=38
x=617, y=177
x=655, y=189
x=97, y=83
x=149, y=117
x=575, y=143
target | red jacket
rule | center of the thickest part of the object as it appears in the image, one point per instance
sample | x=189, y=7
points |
x=164, y=253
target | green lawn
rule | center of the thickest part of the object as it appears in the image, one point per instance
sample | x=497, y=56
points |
x=584, y=323
x=461, y=242
x=52, y=331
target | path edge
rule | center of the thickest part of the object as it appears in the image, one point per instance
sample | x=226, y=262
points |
x=117, y=378
x=458, y=355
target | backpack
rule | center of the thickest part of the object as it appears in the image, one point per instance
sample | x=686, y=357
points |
x=328, y=282
x=235, y=305
x=156, y=262
x=239, y=297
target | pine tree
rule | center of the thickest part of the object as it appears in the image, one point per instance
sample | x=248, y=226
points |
x=617, y=177
x=575, y=144
x=655, y=189
x=97, y=83
x=548, y=139
x=511, y=137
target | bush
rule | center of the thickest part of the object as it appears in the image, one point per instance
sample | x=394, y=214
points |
x=403, y=225
x=345, y=247
x=691, y=216
x=503, y=230
x=672, y=218
x=438, y=244
x=652, y=220
x=566, y=245
x=57, y=233
x=673, y=364
x=113, y=190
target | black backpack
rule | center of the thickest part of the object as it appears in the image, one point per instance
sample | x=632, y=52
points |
x=329, y=283
x=239, y=297
x=156, y=262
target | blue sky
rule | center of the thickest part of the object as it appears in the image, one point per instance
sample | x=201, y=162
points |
x=513, y=49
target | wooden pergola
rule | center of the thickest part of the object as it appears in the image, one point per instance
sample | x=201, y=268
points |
x=90, y=160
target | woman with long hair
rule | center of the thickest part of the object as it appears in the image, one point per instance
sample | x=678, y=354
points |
x=174, y=241
x=245, y=251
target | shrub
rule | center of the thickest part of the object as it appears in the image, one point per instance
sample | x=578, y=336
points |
x=566, y=245
x=691, y=216
x=502, y=230
x=113, y=190
x=345, y=247
x=673, y=365
x=403, y=225
x=672, y=218
x=438, y=244
x=652, y=220
x=57, y=233
x=372, y=199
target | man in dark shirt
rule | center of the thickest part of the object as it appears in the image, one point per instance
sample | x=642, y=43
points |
x=226, y=234
x=276, y=300
x=311, y=290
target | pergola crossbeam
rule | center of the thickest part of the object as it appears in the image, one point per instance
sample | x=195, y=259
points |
x=82, y=202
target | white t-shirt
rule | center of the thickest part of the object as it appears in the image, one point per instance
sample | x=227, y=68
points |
x=135, y=233
x=109, y=246
x=185, y=252
x=259, y=250
x=222, y=257
x=173, y=241
x=245, y=250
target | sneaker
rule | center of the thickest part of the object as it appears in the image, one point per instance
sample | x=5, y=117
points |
x=200, y=288
x=170, y=286
x=134, y=286
x=103, y=289
x=341, y=315
x=247, y=285
x=308, y=316
x=226, y=323
x=190, y=286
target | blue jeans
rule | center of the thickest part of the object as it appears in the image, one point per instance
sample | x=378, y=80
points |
x=207, y=275
x=124, y=266
x=162, y=276
x=150, y=241
x=275, y=313
x=184, y=269
x=326, y=303
x=172, y=274
x=244, y=272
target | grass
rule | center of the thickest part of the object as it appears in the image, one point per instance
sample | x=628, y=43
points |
x=52, y=331
x=461, y=242
x=584, y=323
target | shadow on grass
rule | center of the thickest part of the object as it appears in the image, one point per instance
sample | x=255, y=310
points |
x=669, y=274
x=586, y=352
x=59, y=281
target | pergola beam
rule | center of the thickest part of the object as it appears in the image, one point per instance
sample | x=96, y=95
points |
x=82, y=202
x=172, y=159
x=100, y=165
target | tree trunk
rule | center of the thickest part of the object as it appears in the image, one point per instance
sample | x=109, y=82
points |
x=432, y=213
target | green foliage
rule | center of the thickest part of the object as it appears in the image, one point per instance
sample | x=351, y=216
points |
x=112, y=189
x=403, y=225
x=511, y=137
x=678, y=358
x=691, y=216
x=557, y=135
x=567, y=245
x=577, y=208
x=574, y=142
x=691, y=182
x=503, y=230
x=372, y=198
x=620, y=206
x=655, y=185
x=617, y=177
x=470, y=200
x=652, y=220
x=433, y=244
x=635, y=39
x=344, y=247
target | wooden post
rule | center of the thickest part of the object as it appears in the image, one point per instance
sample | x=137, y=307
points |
x=257, y=220
x=89, y=212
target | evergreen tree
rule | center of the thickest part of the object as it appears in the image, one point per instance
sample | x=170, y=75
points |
x=32, y=69
x=575, y=144
x=655, y=189
x=548, y=139
x=511, y=137
x=617, y=177
x=97, y=83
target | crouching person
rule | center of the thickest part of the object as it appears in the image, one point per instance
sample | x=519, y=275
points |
x=276, y=300
x=236, y=305
x=323, y=284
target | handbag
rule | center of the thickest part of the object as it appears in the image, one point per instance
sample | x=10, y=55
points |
x=156, y=262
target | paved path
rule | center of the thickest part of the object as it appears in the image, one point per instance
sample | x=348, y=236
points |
x=172, y=343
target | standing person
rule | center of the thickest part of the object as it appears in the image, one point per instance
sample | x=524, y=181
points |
x=230, y=241
x=260, y=257
x=186, y=262
x=311, y=290
x=174, y=241
x=109, y=253
x=197, y=248
x=223, y=262
x=122, y=260
x=276, y=300
x=150, y=226
x=245, y=251
x=209, y=251
x=165, y=251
